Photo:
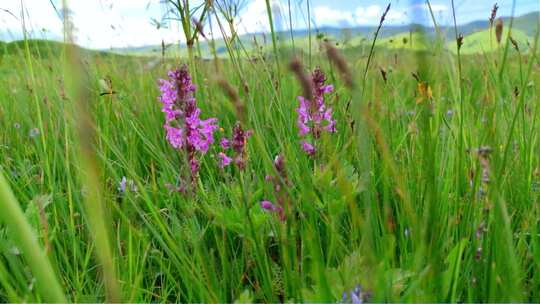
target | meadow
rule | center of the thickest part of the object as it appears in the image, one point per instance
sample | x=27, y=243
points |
x=426, y=191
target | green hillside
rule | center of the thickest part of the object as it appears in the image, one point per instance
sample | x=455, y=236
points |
x=44, y=49
x=413, y=41
x=527, y=23
x=481, y=41
x=38, y=47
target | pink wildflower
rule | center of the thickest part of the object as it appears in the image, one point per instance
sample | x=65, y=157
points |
x=314, y=116
x=280, y=183
x=224, y=143
x=224, y=160
x=238, y=145
x=308, y=148
x=184, y=128
x=268, y=205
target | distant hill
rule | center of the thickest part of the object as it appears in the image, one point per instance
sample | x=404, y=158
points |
x=482, y=42
x=394, y=37
x=43, y=48
x=527, y=23
x=2, y=49
x=38, y=47
x=390, y=36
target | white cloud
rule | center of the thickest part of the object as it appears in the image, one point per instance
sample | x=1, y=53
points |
x=436, y=8
x=98, y=23
x=439, y=7
x=254, y=17
x=325, y=15
x=108, y=23
x=368, y=14
x=13, y=21
x=396, y=16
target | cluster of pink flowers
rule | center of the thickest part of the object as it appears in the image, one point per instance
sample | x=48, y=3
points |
x=184, y=128
x=314, y=116
x=238, y=146
x=187, y=132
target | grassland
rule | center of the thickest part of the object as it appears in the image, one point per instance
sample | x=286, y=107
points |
x=428, y=192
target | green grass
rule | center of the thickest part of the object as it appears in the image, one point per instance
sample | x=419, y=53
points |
x=399, y=200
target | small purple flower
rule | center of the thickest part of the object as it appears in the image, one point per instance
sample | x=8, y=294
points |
x=224, y=143
x=356, y=296
x=127, y=184
x=238, y=144
x=308, y=148
x=269, y=206
x=123, y=185
x=224, y=160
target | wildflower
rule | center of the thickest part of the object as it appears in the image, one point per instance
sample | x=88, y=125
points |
x=33, y=132
x=309, y=148
x=238, y=144
x=356, y=296
x=127, y=184
x=478, y=254
x=224, y=160
x=269, y=206
x=224, y=143
x=314, y=117
x=279, y=164
x=183, y=126
x=279, y=184
x=481, y=230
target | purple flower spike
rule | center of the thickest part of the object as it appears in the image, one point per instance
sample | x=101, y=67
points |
x=314, y=116
x=238, y=143
x=184, y=128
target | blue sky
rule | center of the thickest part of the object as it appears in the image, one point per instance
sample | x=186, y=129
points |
x=120, y=23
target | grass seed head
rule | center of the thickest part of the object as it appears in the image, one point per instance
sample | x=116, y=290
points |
x=297, y=68
x=499, y=30
x=339, y=61
x=234, y=97
x=493, y=14
x=459, y=41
